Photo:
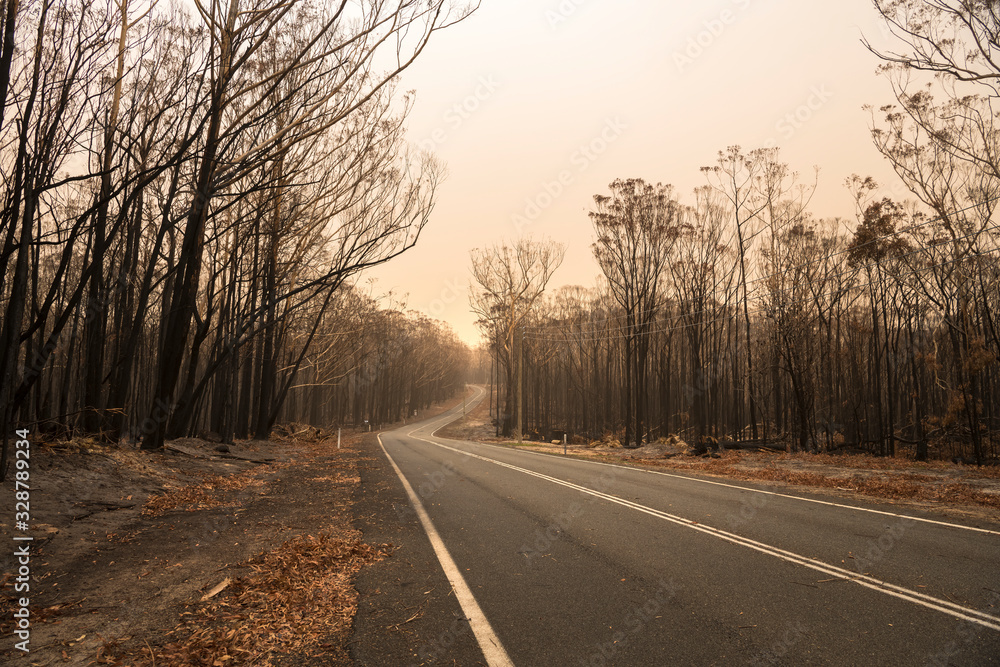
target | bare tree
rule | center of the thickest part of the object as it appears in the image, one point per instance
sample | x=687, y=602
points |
x=508, y=282
x=636, y=228
x=181, y=203
x=862, y=336
x=946, y=153
x=735, y=175
x=703, y=276
x=332, y=47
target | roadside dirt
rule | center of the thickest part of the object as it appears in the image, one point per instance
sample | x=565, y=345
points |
x=958, y=490
x=191, y=556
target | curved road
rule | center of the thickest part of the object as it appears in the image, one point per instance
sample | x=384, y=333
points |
x=534, y=559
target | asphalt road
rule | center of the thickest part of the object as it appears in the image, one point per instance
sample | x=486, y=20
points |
x=512, y=557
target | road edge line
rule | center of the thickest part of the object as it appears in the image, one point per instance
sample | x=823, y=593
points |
x=489, y=643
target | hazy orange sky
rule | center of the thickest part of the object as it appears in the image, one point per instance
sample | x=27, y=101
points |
x=537, y=105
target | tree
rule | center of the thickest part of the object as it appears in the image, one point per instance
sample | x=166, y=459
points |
x=946, y=153
x=636, y=227
x=508, y=282
x=330, y=48
x=735, y=176
x=703, y=275
x=861, y=334
x=793, y=261
x=181, y=203
x=58, y=82
x=875, y=243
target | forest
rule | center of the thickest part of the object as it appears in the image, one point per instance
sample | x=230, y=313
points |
x=197, y=201
x=740, y=317
x=189, y=201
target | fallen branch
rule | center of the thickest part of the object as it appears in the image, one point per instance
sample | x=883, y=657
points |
x=101, y=506
x=216, y=456
x=218, y=588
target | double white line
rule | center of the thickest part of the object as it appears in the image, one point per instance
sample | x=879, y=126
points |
x=937, y=604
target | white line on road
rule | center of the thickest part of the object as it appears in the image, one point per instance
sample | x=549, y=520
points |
x=745, y=488
x=930, y=602
x=489, y=643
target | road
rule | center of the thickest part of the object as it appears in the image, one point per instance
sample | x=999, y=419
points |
x=557, y=561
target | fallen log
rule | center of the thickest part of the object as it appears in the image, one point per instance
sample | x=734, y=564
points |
x=218, y=455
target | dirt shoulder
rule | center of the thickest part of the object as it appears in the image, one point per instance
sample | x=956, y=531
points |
x=191, y=556
x=957, y=490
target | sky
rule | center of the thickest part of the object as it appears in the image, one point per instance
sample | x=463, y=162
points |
x=535, y=106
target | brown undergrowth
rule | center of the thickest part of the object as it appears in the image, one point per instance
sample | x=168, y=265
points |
x=899, y=484
x=202, y=495
x=195, y=554
x=298, y=599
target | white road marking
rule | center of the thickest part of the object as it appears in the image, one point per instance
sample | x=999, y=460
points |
x=743, y=488
x=915, y=597
x=488, y=641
